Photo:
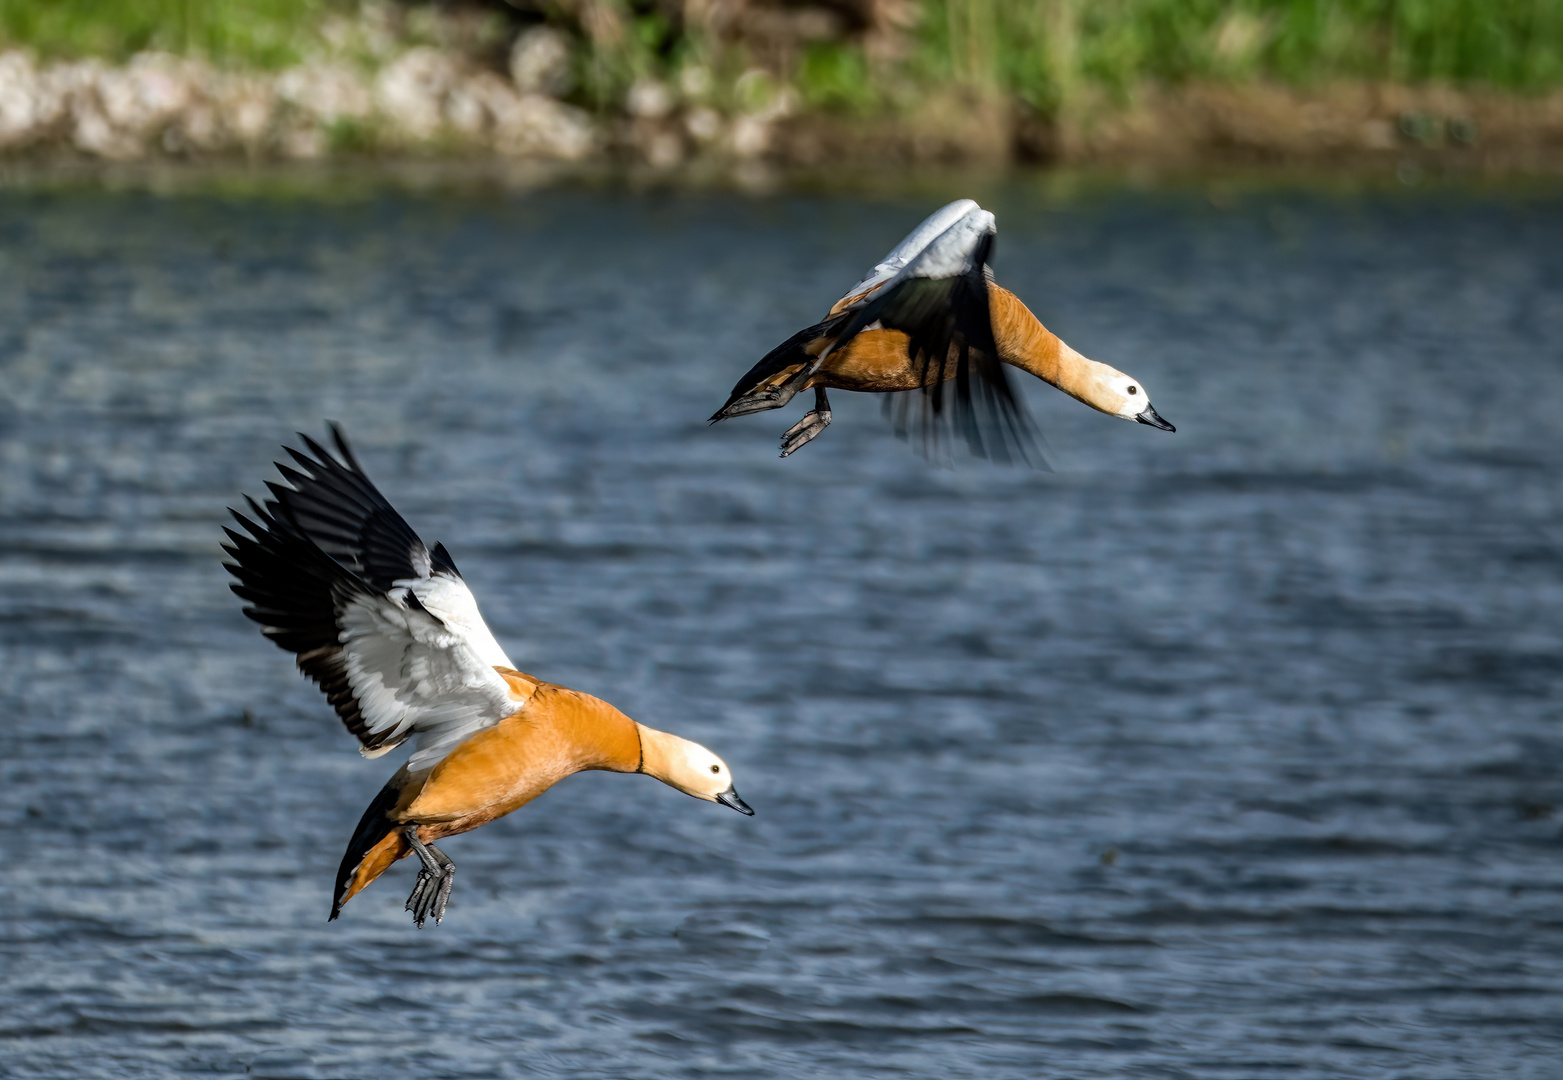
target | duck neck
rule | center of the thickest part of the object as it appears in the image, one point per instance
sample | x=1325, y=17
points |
x=585, y=732
x=659, y=750
x=1025, y=343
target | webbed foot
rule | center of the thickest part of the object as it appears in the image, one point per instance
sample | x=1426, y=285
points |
x=435, y=879
x=814, y=421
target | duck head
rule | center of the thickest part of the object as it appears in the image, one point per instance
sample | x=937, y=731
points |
x=1109, y=390
x=689, y=767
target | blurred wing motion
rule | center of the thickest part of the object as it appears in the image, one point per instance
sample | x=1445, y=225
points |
x=933, y=287
x=938, y=297
x=386, y=627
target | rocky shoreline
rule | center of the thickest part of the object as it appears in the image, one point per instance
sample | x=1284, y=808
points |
x=431, y=102
x=159, y=104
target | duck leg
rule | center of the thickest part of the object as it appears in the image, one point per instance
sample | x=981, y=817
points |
x=434, y=880
x=814, y=421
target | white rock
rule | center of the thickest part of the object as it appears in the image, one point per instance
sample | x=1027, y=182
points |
x=540, y=62
x=77, y=86
x=482, y=105
x=532, y=125
x=174, y=105
x=703, y=124
x=328, y=93
x=750, y=136
x=410, y=91
x=648, y=99
x=466, y=109
x=125, y=108
x=29, y=106
x=202, y=127
x=247, y=107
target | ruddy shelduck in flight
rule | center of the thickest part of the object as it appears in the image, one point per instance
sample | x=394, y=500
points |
x=929, y=314
x=390, y=632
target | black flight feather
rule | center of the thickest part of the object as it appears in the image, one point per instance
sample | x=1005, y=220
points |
x=373, y=827
x=966, y=391
x=336, y=506
x=310, y=549
x=294, y=590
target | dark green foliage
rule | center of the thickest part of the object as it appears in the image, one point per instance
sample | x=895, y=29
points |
x=835, y=76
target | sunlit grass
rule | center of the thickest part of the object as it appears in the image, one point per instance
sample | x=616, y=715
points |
x=835, y=76
x=1041, y=50
x=259, y=33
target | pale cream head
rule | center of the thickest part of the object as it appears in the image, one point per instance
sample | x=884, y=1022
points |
x=1105, y=388
x=689, y=767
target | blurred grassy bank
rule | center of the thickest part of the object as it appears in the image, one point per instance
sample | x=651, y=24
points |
x=251, y=33
x=1043, y=50
x=1039, y=50
x=988, y=77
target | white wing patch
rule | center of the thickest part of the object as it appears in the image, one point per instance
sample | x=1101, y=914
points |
x=920, y=238
x=412, y=674
x=950, y=253
x=449, y=600
x=942, y=248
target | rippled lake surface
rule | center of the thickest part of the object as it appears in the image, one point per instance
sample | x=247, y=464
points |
x=1230, y=753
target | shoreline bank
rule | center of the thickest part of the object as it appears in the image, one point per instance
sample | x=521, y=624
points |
x=432, y=104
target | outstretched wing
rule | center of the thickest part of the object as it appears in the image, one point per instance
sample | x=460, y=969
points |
x=934, y=288
x=384, y=626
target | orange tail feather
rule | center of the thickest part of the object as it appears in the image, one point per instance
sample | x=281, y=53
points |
x=376, y=844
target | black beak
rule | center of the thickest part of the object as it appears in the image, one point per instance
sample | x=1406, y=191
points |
x=730, y=798
x=1149, y=416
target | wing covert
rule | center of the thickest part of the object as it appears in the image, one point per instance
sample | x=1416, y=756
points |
x=386, y=628
x=911, y=245
x=410, y=674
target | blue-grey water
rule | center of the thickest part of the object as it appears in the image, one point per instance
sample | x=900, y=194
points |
x=1226, y=754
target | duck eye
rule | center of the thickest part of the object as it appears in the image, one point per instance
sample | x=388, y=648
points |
x=1132, y=390
x=716, y=768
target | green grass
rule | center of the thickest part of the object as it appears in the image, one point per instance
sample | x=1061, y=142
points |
x=835, y=76
x=1044, y=50
x=255, y=33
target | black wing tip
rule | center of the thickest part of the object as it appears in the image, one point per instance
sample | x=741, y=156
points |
x=323, y=458
x=339, y=437
x=330, y=502
x=293, y=570
x=344, y=460
x=254, y=525
x=441, y=559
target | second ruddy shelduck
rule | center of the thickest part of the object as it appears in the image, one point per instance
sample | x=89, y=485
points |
x=390, y=631
x=927, y=315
